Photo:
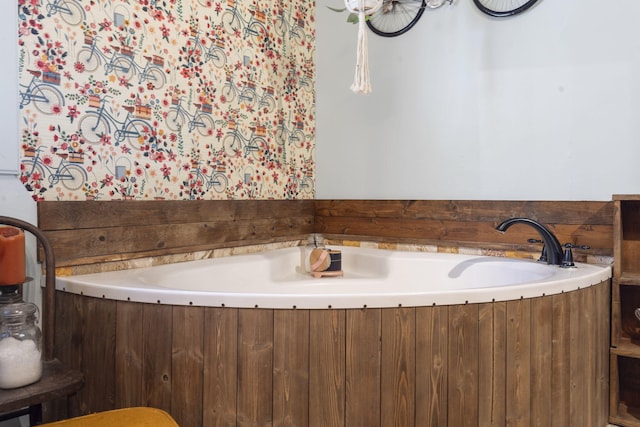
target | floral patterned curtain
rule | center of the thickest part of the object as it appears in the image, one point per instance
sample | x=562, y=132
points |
x=167, y=99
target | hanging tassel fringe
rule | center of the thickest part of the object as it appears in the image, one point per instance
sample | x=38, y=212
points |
x=361, y=83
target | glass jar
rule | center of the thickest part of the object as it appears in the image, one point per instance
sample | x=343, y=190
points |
x=20, y=345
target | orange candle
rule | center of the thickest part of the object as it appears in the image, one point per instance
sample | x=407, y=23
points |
x=12, y=263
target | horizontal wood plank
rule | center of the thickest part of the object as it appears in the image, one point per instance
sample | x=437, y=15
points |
x=563, y=212
x=93, y=232
x=118, y=213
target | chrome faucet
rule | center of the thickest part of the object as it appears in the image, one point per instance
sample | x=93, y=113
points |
x=552, y=248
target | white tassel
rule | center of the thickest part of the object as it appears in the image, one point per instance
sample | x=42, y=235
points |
x=361, y=83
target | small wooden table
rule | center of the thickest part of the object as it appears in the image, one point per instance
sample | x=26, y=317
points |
x=57, y=381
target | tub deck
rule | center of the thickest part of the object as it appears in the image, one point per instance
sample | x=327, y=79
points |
x=372, y=278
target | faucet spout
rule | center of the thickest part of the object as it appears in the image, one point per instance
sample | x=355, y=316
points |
x=551, y=243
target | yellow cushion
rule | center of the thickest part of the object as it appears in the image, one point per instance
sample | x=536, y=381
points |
x=127, y=417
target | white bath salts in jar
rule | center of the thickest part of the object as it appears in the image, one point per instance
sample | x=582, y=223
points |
x=20, y=345
x=20, y=363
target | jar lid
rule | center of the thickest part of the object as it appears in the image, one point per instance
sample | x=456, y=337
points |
x=18, y=310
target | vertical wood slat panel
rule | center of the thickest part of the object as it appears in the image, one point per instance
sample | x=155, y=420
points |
x=577, y=363
x=560, y=379
x=463, y=366
x=359, y=359
x=67, y=351
x=432, y=364
x=518, y=378
x=492, y=324
x=327, y=388
x=541, y=359
x=98, y=353
x=156, y=339
x=602, y=301
x=589, y=333
x=255, y=367
x=363, y=368
x=129, y=351
x=187, y=365
x=220, y=366
x=397, y=404
x=291, y=368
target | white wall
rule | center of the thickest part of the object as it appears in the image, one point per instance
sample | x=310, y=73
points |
x=14, y=199
x=541, y=106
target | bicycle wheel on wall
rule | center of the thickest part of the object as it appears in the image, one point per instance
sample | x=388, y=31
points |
x=396, y=17
x=502, y=8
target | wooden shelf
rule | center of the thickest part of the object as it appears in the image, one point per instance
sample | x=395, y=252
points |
x=627, y=278
x=57, y=381
x=626, y=197
x=624, y=408
x=624, y=418
x=626, y=348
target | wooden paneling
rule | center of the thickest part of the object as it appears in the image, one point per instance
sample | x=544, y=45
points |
x=518, y=366
x=157, y=351
x=326, y=368
x=187, y=364
x=291, y=368
x=492, y=349
x=462, y=396
x=255, y=367
x=91, y=232
x=540, y=361
x=432, y=358
x=541, y=372
x=363, y=368
x=560, y=366
x=398, y=367
x=220, y=367
x=467, y=223
x=128, y=354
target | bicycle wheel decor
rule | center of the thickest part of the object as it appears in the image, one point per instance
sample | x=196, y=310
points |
x=362, y=8
x=503, y=8
x=396, y=17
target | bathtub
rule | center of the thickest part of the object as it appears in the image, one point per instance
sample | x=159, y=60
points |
x=372, y=278
x=450, y=340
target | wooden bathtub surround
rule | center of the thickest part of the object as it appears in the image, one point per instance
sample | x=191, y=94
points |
x=468, y=223
x=95, y=232
x=541, y=361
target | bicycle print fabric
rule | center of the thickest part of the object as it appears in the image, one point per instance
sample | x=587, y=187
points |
x=166, y=99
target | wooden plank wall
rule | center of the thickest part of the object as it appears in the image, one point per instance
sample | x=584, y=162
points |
x=527, y=362
x=468, y=223
x=92, y=232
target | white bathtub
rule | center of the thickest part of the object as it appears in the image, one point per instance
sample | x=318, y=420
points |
x=372, y=278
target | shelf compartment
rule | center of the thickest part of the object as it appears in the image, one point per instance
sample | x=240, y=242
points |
x=625, y=391
x=625, y=325
x=629, y=237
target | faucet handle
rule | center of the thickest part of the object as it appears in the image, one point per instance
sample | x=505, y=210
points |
x=567, y=259
x=571, y=245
